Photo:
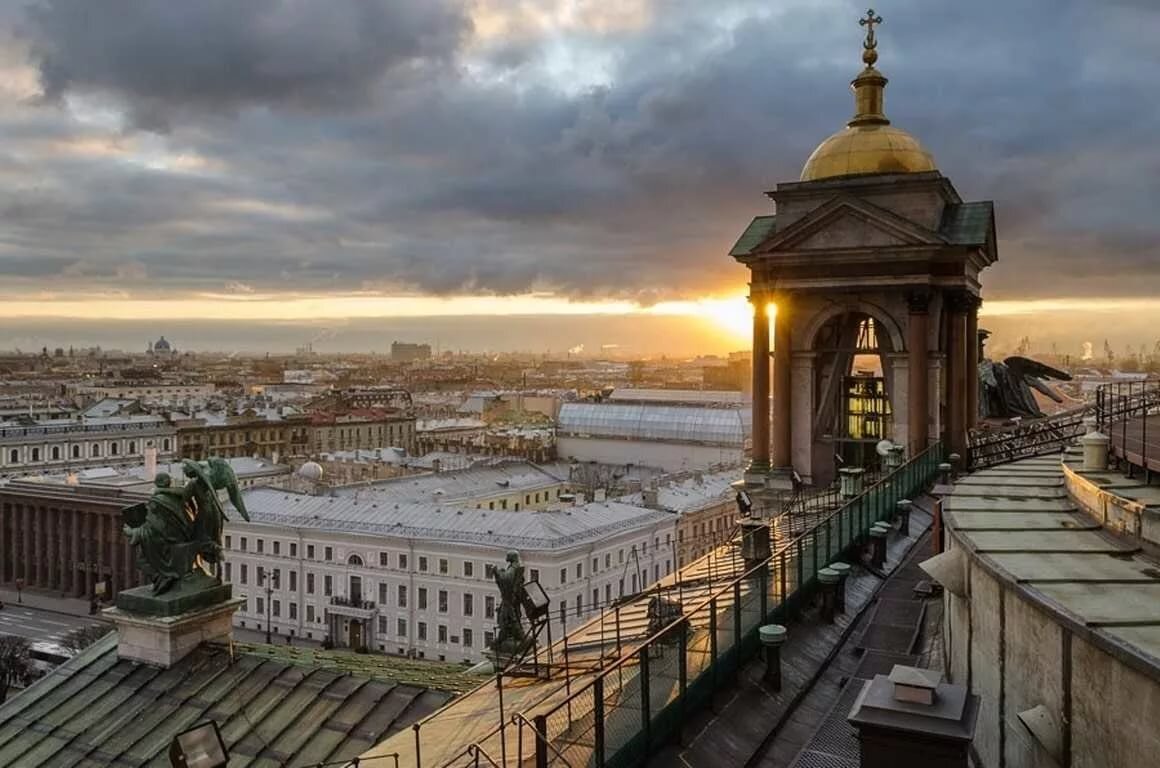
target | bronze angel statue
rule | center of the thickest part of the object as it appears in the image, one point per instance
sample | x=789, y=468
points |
x=179, y=530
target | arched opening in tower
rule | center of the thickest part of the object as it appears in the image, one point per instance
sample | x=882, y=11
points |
x=854, y=410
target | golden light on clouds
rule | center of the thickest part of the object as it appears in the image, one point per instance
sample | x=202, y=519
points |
x=493, y=19
x=731, y=316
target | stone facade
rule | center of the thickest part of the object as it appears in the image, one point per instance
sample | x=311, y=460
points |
x=890, y=248
x=66, y=539
x=27, y=448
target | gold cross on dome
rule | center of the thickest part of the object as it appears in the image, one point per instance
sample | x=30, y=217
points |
x=869, y=48
x=870, y=21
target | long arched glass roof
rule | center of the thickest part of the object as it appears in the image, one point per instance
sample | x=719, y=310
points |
x=714, y=426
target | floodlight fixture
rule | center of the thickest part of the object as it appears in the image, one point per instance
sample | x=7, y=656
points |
x=201, y=746
x=744, y=503
x=535, y=600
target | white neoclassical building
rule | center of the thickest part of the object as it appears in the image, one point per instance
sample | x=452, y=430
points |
x=28, y=446
x=414, y=577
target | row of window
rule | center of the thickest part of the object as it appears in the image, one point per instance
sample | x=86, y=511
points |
x=56, y=452
x=442, y=603
x=467, y=567
x=468, y=605
x=355, y=590
x=503, y=503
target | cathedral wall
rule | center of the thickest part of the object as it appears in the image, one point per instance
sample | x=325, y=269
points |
x=1017, y=653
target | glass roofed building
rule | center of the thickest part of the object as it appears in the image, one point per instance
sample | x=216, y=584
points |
x=669, y=437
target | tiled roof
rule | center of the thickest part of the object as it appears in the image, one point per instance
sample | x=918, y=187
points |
x=508, y=529
x=456, y=485
x=692, y=493
x=759, y=229
x=99, y=710
x=967, y=223
x=440, y=676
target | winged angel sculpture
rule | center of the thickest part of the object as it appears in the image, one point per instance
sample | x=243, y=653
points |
x=178, y=531
x=1006, y=387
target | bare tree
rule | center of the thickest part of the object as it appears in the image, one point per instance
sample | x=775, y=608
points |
x=14, y=662
x=589, y=477
x=82, y=637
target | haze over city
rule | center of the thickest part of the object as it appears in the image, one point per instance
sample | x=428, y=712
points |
x=253, y=176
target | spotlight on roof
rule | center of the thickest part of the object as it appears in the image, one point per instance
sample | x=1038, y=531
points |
x=199, y=747
x=535, y=600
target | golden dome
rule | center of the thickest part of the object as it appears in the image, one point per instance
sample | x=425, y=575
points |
x=867, y=149
x=868, y=143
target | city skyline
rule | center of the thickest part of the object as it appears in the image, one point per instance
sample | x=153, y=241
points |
x=675, y=329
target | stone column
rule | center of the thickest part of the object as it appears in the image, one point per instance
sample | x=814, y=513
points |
x=75, y=553
x=90, y=527
x=972, y=372
x=5, y=557
x=26, y=566
x=781, y=455
x=918, y=384
x=115, y=551
x=52, y=515
x=61, y=552
x=102, y=542
x=39, y=572
x=759, y=462
x=956, y=314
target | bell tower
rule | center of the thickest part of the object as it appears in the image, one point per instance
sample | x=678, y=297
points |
x=867, y=274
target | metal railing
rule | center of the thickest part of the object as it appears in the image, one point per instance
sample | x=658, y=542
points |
x=1126, y=412
x=630, y=708
x=988, y=448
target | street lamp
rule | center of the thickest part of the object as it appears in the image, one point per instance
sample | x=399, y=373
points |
x=271, y=584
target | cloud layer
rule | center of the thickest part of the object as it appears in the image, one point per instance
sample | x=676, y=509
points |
x=589, y=148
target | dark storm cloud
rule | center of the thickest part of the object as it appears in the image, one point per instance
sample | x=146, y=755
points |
x=171, y=58
x=375, y=145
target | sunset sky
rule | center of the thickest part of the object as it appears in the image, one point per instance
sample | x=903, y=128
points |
x=299, y=163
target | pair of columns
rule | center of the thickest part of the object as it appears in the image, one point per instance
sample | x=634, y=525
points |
x=776, y=453
x=962, y=368
x=772, y=442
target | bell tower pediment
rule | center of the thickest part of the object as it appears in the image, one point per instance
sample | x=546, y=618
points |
x=846, y=223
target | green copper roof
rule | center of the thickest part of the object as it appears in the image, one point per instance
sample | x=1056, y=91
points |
x=967, y=223
x=452, y=678
x=757, y=231
x=274, y=708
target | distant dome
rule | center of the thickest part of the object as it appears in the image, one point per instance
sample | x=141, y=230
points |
x=161, y=345
x=311, y=471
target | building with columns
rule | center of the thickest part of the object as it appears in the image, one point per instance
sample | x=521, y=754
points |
x=66, y=538
x=868, y=270
x=62, y=532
